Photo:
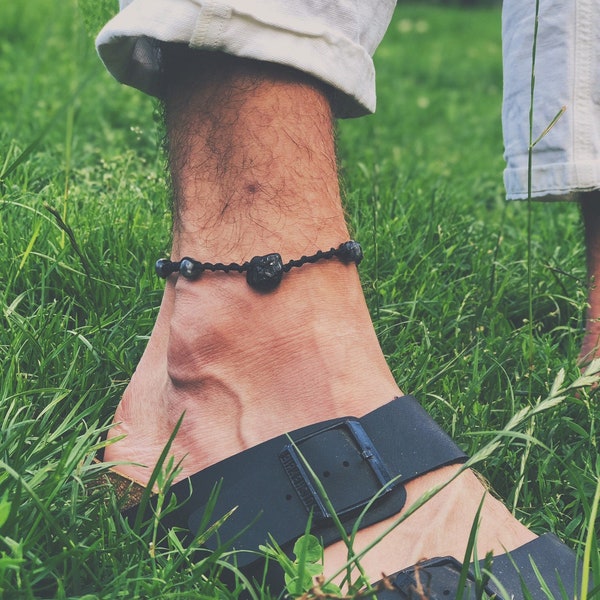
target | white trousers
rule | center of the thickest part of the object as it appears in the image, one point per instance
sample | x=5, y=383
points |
x=334, y=40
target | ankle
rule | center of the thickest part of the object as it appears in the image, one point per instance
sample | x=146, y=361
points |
x=256, y=365
x=310, y=337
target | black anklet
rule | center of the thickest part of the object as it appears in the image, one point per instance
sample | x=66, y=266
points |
x=263, y=273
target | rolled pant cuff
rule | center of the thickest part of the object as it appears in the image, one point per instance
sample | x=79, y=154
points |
x=563, y=181
x=129, y=45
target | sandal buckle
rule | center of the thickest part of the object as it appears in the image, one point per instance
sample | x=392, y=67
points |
x=344, y=459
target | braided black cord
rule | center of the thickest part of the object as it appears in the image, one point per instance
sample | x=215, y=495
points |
x=313, y=258
x=222, y=267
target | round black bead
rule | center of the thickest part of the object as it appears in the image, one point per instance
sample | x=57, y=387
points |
x=350, y=252
x=189, y=268
x=163, y=267
x=265, y=272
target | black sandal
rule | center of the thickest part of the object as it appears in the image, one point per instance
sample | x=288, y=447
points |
x=356, y=460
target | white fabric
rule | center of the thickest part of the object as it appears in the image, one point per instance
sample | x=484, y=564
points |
x=332, y=40
x=567, y=159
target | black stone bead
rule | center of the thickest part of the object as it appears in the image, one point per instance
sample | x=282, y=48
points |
x=265, y=272
x=350, y=252
x=163, y=267
x=189, y=268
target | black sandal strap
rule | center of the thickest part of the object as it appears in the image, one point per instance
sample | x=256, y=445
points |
x=355, y=459
x=555, y=563
x=438, y=578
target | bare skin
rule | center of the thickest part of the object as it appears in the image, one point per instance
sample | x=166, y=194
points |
x=253, y=167
x=590, y=212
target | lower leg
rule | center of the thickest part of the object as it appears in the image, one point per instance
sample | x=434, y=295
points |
x=253, y=166
x=253, y=170
x=590, y=211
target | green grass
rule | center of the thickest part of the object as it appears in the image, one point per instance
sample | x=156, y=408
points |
x=84, y=213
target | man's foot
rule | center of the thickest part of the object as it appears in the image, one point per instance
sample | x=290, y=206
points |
x=246, y=367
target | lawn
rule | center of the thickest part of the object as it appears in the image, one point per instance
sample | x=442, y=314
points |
x=478, y=304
